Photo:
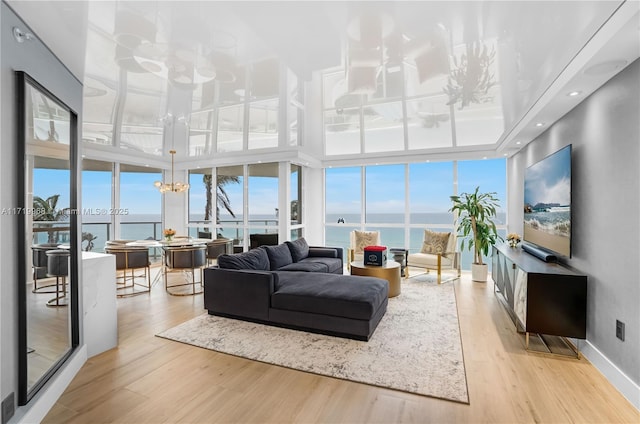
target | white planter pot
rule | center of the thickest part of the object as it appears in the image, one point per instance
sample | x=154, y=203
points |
x=479, y=272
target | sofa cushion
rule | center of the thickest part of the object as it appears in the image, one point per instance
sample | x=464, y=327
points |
x=331, y=264
x=427, y=260
x=327, y=252
x=329, y=294
x=306, y=266
x=256, y=259
x=299, y=249
x=279, y=256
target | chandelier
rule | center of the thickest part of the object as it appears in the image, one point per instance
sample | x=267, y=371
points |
x=173, y=187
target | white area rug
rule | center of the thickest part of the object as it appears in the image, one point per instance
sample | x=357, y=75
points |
x=416, y=347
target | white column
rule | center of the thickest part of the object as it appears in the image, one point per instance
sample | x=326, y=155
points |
x=284, y=201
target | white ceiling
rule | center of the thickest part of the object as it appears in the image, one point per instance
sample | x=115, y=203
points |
x=546, y=49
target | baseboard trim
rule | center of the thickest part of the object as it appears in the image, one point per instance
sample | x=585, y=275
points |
x=629, y=389
x=43, y=401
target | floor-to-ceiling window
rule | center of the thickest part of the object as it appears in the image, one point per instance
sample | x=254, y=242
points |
x=97, y=204
x=384, y=200
x=296, y=201
x=403, y=200
x=230, y=203
x=142, y=201
x=430, y=185
x=343, y=204
x=201, y=213
x=245, y=200
x=262, y=189
x=490, y=175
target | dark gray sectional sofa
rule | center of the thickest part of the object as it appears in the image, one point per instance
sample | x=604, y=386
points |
x=296, y=286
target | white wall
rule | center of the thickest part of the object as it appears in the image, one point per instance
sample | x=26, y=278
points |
x=313, y=193
x=605, y=137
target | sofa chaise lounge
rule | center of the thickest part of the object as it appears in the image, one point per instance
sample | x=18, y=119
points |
x=296, y=286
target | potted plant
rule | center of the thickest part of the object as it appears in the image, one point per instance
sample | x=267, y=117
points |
x=476, y=227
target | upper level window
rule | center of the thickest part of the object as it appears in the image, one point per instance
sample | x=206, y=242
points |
x=440, y=94
x=263, y=124
x=230, y=128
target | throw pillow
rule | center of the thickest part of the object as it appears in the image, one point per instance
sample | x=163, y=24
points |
x=279, y=256
x=299, y=249
x=434, y=242
x=255, y=259
x=364, y=239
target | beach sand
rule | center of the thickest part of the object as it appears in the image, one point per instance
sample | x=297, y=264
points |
x=558, y=244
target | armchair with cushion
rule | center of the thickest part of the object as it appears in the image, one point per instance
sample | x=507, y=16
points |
x=439, y=251
x=358, y=240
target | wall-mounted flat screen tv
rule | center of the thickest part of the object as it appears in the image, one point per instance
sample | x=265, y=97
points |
x=547, y=203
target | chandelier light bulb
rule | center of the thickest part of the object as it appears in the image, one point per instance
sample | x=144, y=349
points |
x=175, y=187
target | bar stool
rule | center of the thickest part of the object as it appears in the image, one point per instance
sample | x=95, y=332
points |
x=58, y=266
x=39, y=265
x=130, y=259
x=184, y=259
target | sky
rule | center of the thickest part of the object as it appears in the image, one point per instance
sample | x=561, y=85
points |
x=430, y=185
x=549, y=180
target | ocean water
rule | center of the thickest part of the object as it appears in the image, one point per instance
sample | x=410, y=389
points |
x=391, y=227
x=555, y=220
x=133, y=227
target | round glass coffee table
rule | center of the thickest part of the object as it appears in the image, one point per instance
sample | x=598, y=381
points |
x=389, y=272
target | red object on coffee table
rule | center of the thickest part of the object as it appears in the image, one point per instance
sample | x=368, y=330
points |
x=376, y=248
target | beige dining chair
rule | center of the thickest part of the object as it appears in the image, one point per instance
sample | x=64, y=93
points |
x=128, y=260
x=184, y=259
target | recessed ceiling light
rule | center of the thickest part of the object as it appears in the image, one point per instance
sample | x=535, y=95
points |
x=539, y=124
x=605, y=67
x=518, y=142
x=484, y=157
x=574, y=93
x=504, y=155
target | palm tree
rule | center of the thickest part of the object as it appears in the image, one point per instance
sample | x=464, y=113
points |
x=222, y=198
x=47, y=210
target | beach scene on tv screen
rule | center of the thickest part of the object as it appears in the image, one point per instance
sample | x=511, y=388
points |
x=547, y=202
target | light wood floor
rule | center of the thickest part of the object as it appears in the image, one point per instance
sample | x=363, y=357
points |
x=152, y=380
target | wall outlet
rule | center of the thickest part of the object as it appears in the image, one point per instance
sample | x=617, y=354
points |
x=620, y=330
x=8, y=408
